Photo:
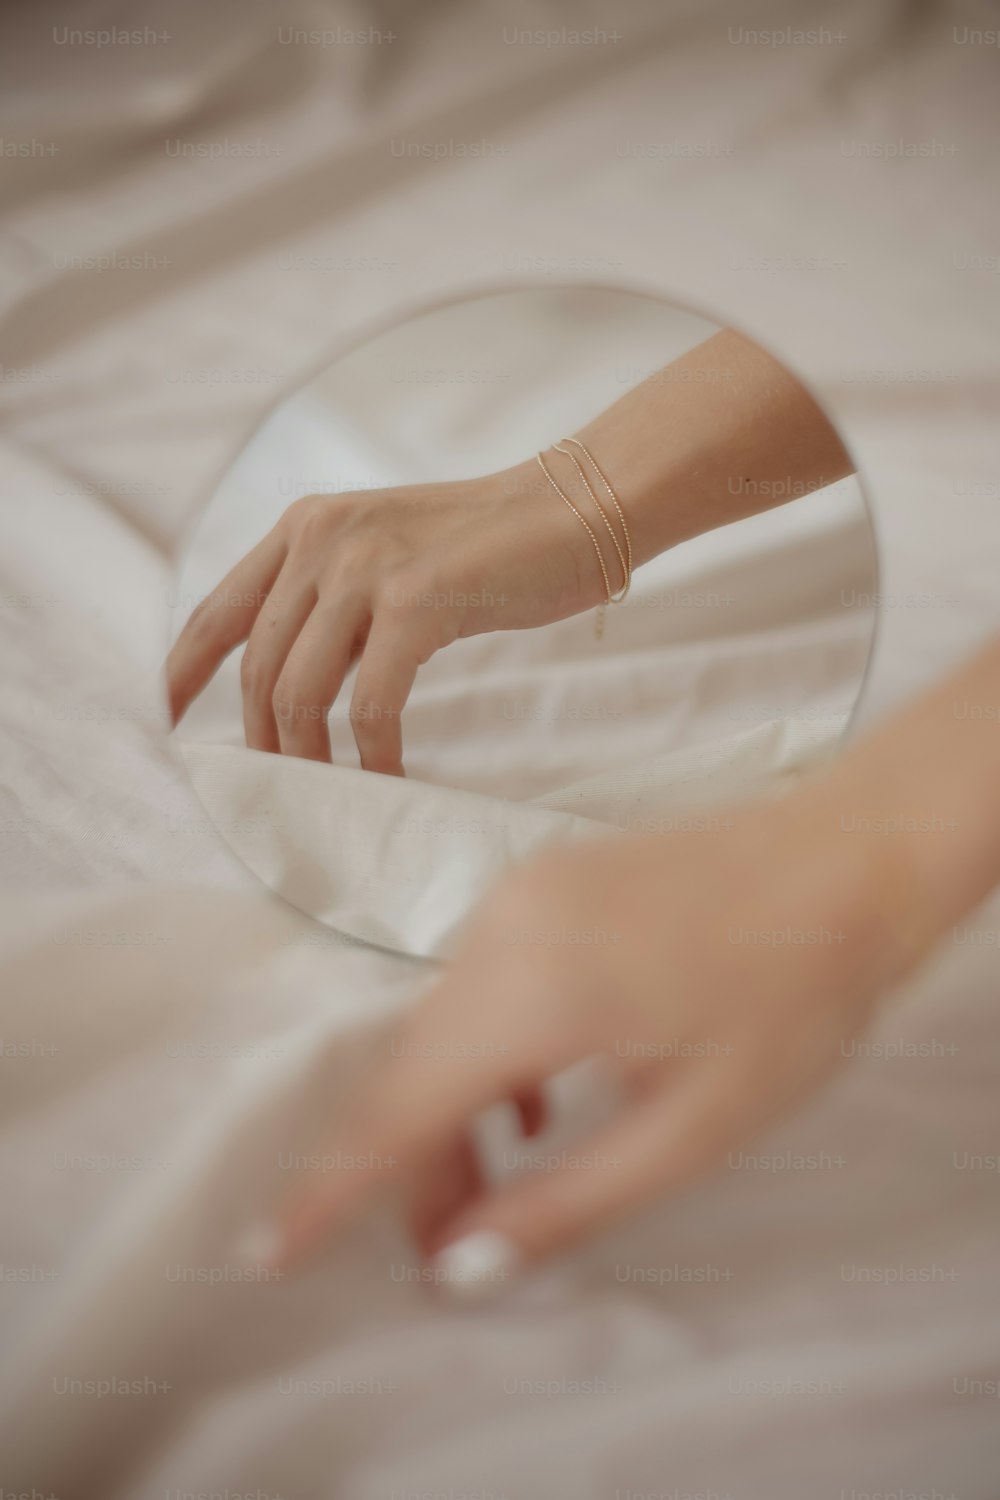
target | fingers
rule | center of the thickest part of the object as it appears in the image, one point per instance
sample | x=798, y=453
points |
x=298, y=653
x=532, y=1111
x=312, y=676
x=275, y=631
x=450, y=1180
x=459, y=1054
x=440, y=1188
x=221, y=622
x=665, y=1138
x=399, y=643
x=385, y=677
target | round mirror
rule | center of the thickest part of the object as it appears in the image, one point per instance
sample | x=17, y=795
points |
x=731, y=666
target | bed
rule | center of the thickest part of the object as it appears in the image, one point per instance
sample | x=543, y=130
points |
x=188, y=983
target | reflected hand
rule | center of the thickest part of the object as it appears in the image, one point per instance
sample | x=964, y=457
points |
x=386, y=579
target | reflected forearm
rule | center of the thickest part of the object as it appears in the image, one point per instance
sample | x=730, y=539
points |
x=721, y=433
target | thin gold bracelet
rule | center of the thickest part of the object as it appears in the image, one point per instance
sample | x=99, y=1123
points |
x=582, y=520
x=625, y=558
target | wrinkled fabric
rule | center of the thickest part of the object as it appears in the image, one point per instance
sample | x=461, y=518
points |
x=174, y=1035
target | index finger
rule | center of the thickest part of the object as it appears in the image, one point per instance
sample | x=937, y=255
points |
x=219, y=624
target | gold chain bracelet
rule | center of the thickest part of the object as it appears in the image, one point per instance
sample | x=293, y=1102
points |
x=624, y=557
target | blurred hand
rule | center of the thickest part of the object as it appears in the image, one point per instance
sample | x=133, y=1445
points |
x=388, y=577
x=720, y=969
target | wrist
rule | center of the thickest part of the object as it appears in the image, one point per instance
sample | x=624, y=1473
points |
x=920, y=795
x=890, y=860
x=554, y=539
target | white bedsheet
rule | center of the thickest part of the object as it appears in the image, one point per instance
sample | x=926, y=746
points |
x=171, y=1031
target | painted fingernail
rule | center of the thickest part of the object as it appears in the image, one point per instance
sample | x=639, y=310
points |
x=260, y=1244
x=478, y=1266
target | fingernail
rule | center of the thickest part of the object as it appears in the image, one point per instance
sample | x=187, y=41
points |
x=477, y=1266
x=260, y=1244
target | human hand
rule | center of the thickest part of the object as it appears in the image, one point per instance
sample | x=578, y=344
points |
x=388, y=577
x=393, y=576
x=719, y=968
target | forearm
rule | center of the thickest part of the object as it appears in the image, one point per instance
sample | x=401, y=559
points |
x=912, y=813
x=719, y=434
